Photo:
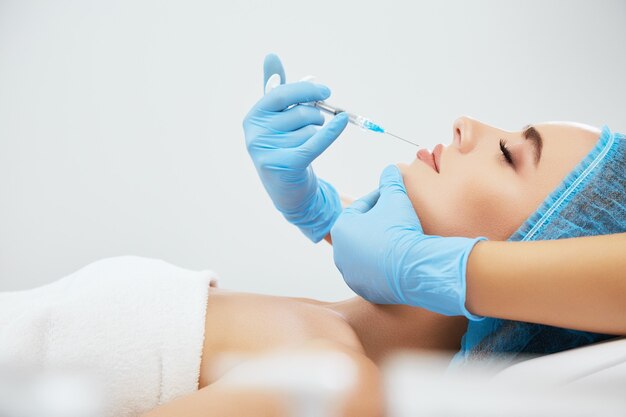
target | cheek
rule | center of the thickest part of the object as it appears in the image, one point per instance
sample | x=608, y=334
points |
x=489, y=207
x=435, y=199
x=467, y=201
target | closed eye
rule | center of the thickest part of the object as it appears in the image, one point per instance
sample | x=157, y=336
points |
x=506, y=152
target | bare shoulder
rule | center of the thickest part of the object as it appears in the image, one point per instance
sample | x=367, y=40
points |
x=245, y=324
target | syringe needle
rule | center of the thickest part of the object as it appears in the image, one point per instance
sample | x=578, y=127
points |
x=398, y=137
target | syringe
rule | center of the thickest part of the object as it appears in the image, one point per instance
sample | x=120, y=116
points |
x=360, y=121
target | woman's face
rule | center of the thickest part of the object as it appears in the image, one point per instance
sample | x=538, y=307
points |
x=471, y=189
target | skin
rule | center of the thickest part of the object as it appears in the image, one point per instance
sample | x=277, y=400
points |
x=475, y=193
x=539, y=281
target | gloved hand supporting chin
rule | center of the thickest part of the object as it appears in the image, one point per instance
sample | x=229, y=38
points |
x=385, y=257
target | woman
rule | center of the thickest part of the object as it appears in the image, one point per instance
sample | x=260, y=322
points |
x=145, y=323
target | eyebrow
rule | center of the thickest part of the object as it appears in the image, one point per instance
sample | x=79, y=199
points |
x=530, y=133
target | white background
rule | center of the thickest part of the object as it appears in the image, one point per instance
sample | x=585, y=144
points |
x=120, y=121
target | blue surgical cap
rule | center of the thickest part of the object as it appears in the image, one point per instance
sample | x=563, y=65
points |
x=590, y=201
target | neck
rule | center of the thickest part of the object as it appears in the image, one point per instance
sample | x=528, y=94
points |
x=383, y=329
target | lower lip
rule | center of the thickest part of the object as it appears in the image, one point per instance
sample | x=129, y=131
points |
x=426, y=157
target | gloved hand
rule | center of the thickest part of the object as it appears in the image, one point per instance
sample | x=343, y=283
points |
x=385, y=257
x=283, y=139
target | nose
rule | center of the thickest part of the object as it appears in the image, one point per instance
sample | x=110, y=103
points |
x=464, y=133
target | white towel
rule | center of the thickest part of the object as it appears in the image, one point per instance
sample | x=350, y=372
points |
x=136, y=324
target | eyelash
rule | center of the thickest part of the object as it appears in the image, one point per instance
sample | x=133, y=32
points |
x=506, y=152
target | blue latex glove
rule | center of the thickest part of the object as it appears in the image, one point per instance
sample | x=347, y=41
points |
x=283, y=139
x=385, y=257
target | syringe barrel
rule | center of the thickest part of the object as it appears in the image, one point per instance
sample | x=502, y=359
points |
x=352, y=118
x=322, y=105
x=355, y=119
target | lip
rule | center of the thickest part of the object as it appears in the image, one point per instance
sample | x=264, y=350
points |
x=431, y=159
x=437, y=156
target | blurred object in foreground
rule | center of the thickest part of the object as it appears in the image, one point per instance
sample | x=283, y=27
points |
x=313, y=383
x=36, y=394
x=422, y=384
